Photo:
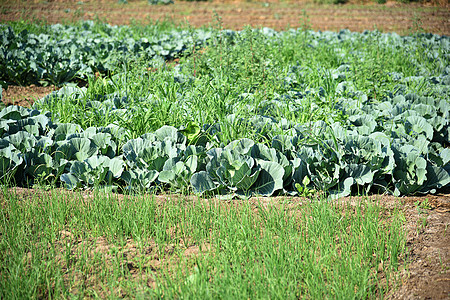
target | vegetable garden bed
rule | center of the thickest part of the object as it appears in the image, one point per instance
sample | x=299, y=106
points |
x=240, y=115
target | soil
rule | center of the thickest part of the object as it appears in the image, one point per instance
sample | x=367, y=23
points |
x=426, y=273
x=25, y=95
x=356, y=15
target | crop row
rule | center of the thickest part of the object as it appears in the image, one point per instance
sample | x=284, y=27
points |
x=58, y=54
x=398, y=149
x=62, y=54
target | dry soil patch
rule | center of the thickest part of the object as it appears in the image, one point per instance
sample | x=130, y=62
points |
x=432, y=16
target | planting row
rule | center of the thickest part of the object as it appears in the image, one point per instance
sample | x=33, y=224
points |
x=400, y=147
x=59, y=54
x=64, y=53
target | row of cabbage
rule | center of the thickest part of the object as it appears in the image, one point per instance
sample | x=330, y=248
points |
x=62, y=54
x=399, y=146
x=65, y=53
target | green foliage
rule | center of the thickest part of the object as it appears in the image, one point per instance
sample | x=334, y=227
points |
x=303, y=189
x=58, y=54
x=423, y=205
x=256, y=112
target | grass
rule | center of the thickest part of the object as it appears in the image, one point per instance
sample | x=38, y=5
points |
x=56, y=244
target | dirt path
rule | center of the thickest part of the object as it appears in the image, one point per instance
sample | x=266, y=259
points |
x=356, y=16
x=426, y=275
x=25, y=95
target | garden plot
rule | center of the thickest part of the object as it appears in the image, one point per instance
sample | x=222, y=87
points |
x=256, y=112
x=305, y=116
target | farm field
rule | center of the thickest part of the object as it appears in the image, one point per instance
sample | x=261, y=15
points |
x=160, y=159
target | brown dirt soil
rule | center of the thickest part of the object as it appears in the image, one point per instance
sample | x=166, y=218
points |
x=424, y=275
x=25, y=95
x=356, y=15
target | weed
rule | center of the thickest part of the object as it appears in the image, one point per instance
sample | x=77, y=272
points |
x=421, y=223
x=303, y=189
x=423, y=205
x=305, y=22
x=417, y=24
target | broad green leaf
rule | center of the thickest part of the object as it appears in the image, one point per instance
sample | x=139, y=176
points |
x=5, y=125
x=381, y=137
x=239, y=174
x=134, y=148
x=419, y=125
x=139, y=178
x=153, y=158
x=10, y=158
x=365, y=124
x=84, y=148
x=247, y=181
x=22, y=140
x=360, y=173
x=284, y=143
x=15, y=112
x=445, y=156
x=166, y=176
x=344, y=189
x=170, y=133
x=437, y=177
x=42, y=162
x=270, y=178
x=300, y=170
x=102, y=140
x=64, y=151
x=241, y=146
x=192, y=163
x=233, y=160
x=170, y=163
x=116, y=166
x=262, y=152
x=191, y=131
x=201, y=182
x=79, y=169
x=62, y=131
x=71, y=182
